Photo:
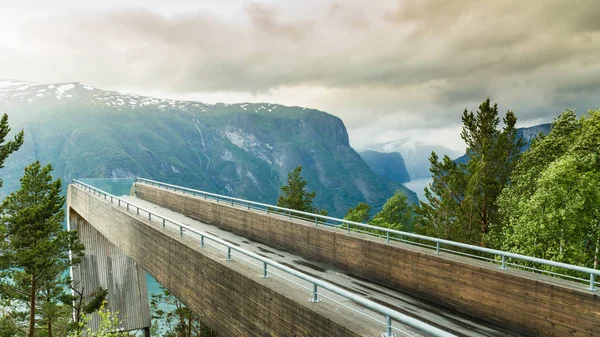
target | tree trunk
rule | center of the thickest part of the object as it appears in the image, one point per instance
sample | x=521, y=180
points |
x=32, y=307
x=49, y=322
x=597, y=253
x=484, y=227
x=189, y=332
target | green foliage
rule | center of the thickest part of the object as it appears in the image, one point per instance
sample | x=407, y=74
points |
x=552, y=207
x=360, y=213
x=294, y=194
x=397, y=213
x=8, y=326
x=8, y=147
x=95, y=302
x=109, y=325
x=462, y=199
x=36, y=248
x=173, y=319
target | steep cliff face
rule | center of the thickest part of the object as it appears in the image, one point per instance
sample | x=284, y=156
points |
x=390, y=165
x=245, y=150
x=530, y=133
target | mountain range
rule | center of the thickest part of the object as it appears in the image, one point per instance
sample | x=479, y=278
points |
x=527, y=134
x=244, y=150
x=415, y=154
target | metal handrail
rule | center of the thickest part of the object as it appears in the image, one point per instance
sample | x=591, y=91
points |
x=503, y=254
x=387, y=312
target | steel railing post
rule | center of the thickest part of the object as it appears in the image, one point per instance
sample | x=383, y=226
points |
x=228, y=254
x=201, y=241
x=265, y=273
x=164, y=224
x=388, y=325
x=503, y=266
x=387, y=237
x=437, y=248
x=314, y=298
x=592, y=286
x=180, y=231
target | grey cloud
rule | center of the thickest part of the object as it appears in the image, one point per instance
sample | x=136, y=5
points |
x=428, y=58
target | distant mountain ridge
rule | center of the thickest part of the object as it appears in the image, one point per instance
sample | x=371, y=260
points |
x=527, y=134
x=244, y=150
x=389, y=165
x=415, y=154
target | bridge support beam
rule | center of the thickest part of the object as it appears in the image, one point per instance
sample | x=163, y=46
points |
x=105, y=265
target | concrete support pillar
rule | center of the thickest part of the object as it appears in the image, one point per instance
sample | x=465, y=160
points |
x=105, y=265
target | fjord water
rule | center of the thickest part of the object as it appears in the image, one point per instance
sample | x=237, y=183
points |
x=418, y=186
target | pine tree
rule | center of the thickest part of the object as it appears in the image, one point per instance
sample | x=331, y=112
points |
x=7, y=319
x=294, y=194
x=462, y=200
x=6, y=148
x=36, y=246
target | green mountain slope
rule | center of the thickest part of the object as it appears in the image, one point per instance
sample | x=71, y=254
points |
x=243, y=150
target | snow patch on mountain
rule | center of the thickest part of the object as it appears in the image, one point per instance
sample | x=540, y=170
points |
x=252, y=178
x=18, y=92
x=61, y=89
x=246, y=142
x=227, y=155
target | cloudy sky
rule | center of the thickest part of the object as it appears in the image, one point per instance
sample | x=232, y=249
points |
x=390, y=69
